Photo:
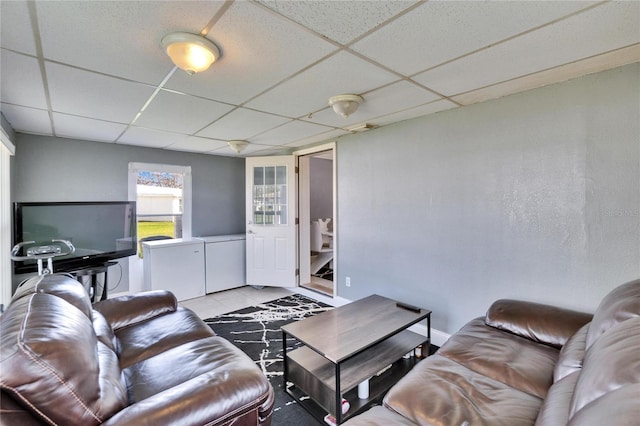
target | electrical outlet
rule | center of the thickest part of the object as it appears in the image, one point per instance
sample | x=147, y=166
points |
x=347, y=281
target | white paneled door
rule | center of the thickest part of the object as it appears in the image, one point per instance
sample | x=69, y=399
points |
x=271, y=221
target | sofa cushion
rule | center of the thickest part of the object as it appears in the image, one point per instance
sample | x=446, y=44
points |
x=148, y=338
x=541, y=323
x=518, y=362
x=555, y=409
x=571, y=354
x=440, y=391
x=52, y=362
x=12, y=413
x=200, y=401
x=104, y=333
x=619, y=407
x=233, y=382
x=620, y=304
x=223, y=363
x=612, y=362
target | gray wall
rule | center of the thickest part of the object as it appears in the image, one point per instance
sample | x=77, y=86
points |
x=534, y=196
x=321, y=188
x=56, y=169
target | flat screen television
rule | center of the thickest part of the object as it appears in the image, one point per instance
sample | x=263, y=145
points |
x=100, y=231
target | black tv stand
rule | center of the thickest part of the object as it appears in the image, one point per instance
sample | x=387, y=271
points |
x=93, y=271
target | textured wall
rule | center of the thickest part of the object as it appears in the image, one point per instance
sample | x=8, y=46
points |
x=56, y=169
x=533, y=196
x=68, y=170
x=321, y=188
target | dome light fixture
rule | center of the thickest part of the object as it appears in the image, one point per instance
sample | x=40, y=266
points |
x=345, y=105
x=190, y=52
x=237, y=146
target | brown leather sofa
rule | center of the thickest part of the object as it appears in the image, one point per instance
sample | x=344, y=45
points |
x=525, y=364
x=133, y=360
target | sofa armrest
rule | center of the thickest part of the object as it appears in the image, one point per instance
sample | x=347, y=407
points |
x=123, y=311
x=541, y=323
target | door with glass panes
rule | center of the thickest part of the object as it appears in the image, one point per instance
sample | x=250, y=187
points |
x=271, y=222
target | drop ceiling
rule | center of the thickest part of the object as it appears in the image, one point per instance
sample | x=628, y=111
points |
x=95, y=71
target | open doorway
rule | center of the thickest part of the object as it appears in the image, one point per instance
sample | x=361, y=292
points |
x=317, y=230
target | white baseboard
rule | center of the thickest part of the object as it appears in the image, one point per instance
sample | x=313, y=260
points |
x=333, y=301
x=437, y=337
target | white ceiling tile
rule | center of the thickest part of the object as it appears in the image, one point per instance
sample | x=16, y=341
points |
x=16, y=32
x=74, y=127
x=259, y=50
x=329, y=118
x=603, y=28
x=288, y=133
x=265, y=49
x=261, y=150
x=150, y=137
x=167, y=112
x=591, y=65
x=439, y=31
x=311, y=90
x=27, y=120
x=120, y=38
x=21, y=80
x=250, y=149
x=397, y=96
x=341, y=21
x=92, y=95
x=195, y=144
x=419, y=111
x=242, y=124
x=321, y=137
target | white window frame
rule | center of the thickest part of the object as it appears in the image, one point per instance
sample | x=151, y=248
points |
x=7, y=149
x=135, y=168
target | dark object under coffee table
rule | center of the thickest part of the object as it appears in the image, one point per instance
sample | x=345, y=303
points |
x=348, y=345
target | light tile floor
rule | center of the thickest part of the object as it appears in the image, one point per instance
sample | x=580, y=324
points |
x=226, y=301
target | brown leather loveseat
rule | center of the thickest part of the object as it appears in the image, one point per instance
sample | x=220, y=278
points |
x=526, y=364
x=133, y=360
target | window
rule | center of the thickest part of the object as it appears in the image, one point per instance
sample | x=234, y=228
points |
x=270, y=195
x=163, y=199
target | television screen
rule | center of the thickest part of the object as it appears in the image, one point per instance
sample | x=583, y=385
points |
x=100, y=231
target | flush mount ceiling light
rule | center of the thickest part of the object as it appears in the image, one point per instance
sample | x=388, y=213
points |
x=237, y=146
x=190, y=52
x=345, y=105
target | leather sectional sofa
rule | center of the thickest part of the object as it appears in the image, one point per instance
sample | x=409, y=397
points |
x=133, y=360
x=526, y=364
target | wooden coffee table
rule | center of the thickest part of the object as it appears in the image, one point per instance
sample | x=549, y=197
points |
x=347, y=345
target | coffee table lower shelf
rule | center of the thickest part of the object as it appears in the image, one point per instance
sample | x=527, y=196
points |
x=315, y=376
x=379, y=386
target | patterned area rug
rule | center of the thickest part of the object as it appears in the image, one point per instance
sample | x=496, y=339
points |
x=256, y=331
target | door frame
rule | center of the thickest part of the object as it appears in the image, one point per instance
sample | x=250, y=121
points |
x=303, y=207
x=278, y=244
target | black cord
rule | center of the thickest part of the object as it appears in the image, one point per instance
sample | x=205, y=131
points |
x=119, y=279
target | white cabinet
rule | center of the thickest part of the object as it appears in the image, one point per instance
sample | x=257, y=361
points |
x=225, y=262
x=176, y=265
